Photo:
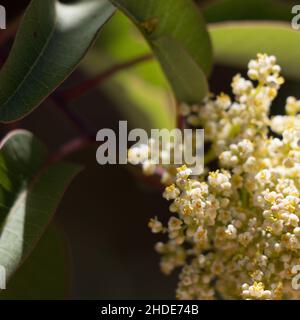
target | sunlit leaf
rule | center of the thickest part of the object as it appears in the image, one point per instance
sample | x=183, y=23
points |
x=237, y=42
x=177, y=34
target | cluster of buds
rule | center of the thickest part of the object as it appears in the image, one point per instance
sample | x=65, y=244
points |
x=235, y=232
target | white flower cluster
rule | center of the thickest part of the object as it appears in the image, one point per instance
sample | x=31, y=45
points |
x=235, y=231
x=156, y=158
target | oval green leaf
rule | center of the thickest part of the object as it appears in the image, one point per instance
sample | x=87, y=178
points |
x=177, y=34
x=141, y=93
x=235, y=43
x=51, y=41
x=29, y=195
x=230, y=10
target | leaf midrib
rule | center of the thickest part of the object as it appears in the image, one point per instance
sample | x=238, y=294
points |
x=14, y=93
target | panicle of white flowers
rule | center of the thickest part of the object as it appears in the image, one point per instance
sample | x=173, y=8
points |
x=156, y=158
x=235, y=231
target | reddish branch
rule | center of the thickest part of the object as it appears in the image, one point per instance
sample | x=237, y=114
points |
x=70, y=114
x=81, y=89
x=71, y=147
x=62, y=99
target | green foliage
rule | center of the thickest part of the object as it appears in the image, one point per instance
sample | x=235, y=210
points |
x=236, y=43
x=29, y=195
x=51, y=41
x=141, y=92
x=231, y=10
x=46, y=274
x=177, y=34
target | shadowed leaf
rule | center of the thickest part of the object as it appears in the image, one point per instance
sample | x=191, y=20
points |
x=45, y=274
x=52, y=40
x=29, y=195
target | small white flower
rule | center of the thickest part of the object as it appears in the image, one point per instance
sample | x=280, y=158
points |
x=174, y=224
x=149, y=167
x=231, y=232
x=155, y=225
x=171, y=192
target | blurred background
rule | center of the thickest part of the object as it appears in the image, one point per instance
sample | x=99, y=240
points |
x=99, y=245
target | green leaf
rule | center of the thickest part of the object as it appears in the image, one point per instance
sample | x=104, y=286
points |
x=141, y=93
x=29, y=195
x=142, y=103
x=177, y=34
x=45, y=275
x=237, y=42
x=230, y=10
x=128, y=44
x=168, y=51
x=52, y=40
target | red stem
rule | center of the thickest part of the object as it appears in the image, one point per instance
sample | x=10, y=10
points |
x=179, y=118
x=71, y=147
x=81, y=89
x=70, y=114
